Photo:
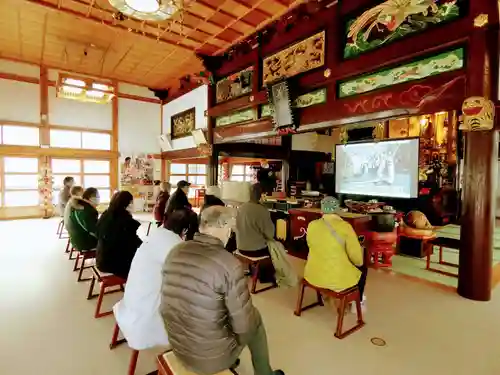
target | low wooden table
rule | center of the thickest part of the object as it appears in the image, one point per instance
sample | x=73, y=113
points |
x=441, y=242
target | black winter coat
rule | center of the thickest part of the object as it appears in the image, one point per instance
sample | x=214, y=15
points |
x=117, y=242
x=177, y=201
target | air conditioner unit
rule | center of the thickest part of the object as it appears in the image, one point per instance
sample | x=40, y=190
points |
x=165, y=142
x=199, y=137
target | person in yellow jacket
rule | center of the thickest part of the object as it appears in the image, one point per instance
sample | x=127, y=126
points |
x=335, y=259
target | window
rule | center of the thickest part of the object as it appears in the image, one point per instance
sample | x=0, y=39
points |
x=96, y=141
x=20, y=135
x=65, y=138
x=87, y=173
x=20, y=182
x=196, y=174
x=80, y=139
x=242, y=173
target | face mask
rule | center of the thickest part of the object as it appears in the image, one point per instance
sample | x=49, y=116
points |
x=95, y=201
x=130, y=208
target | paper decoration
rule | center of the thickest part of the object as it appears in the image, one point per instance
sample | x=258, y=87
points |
x=478, y=114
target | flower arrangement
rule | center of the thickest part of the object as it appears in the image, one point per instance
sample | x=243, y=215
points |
x=45, y=181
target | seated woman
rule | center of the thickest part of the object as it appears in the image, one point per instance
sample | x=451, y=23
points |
x=117, y=236
x=138, y=314
x=335, y=259
x=161, y=203
x=81, y=218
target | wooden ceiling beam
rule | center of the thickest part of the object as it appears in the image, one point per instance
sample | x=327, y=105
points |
x=99, y=21
x=91, y=5
x=155, y=25
x=265, y=13
x=142, y=23
x=263, y=24
x=224, y=13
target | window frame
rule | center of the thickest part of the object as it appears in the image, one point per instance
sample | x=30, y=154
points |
x=247, y=175
x=3, y=173
x=187, y=175
x=19, y=125
x=81, y=174
x=81, y=134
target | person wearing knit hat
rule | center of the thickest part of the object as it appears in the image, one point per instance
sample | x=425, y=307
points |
x=335, y=259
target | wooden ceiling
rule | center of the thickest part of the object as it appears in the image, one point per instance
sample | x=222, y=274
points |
x=83, y=36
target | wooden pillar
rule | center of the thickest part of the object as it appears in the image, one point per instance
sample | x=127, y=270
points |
x=480, y=166
x=114, y=163
x=213, y=158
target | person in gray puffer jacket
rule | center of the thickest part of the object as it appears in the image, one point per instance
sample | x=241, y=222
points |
x=206, y=306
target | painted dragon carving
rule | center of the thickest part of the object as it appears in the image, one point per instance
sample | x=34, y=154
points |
x=391, y=14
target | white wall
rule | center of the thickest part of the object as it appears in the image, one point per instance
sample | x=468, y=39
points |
x=19, y=101
x=198, y=98
x=68, y=112
x=139, y=125
x=139, y=122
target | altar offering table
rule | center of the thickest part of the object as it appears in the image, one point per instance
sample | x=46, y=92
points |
x=301, y=217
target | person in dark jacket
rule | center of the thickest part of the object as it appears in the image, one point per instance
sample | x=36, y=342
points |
x=179, y=199
x=161, y=203
x=206, y=305
x=81, y=218
x=117, y=236
x=212, y=198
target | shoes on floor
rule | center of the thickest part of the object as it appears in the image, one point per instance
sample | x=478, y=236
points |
x=363, y=306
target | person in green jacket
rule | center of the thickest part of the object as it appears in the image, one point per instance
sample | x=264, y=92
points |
x=82, y=218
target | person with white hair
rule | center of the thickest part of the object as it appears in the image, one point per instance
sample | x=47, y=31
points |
x=206, y=305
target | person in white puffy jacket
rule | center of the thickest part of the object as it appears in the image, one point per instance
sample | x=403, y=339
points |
x=137, y=314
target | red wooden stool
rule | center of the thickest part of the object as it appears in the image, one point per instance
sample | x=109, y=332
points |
x=199, y=196
x=116, y=342
x=380, y=248
x=105, y=280
x=60, y=228
x=68, y=246
x=255, y=263
x=168, y=364
x=84, y=256
x=346, y=297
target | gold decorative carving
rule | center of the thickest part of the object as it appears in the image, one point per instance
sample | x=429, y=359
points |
x=478, y=114
x=298, y=58
x=183, y=123
x=327, y=73
x=481, y=20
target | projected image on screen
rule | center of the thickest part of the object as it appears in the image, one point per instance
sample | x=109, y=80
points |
x=384, y=169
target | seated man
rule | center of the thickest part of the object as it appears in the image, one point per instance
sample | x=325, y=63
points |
x=137, y=314
x=206, y=305
x=335, y=259
x=254, y=228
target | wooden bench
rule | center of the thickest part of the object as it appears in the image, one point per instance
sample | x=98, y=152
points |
x=255, y=263
x=116, y=342
x=106, y=280
x=346, y=297
x=169, y=364
x=441, y=242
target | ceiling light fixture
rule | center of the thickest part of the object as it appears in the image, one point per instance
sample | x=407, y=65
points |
x=148, y=10
x=83, y=89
